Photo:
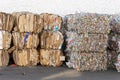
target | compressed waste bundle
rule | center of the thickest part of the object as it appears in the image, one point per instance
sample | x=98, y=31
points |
x=51, y=40
x=5, y=39
x=87, y=41
x=114, y=43
x=4, y=57
x=25, y=40
x=88, y=23
x=51, y=57
x=112, y=58
x=6, y=21
x=26, y=57
x=52, y=21
x=92, y=61
x=117, y=63
x=91, y=42
x=6, y=25
x=28, y=22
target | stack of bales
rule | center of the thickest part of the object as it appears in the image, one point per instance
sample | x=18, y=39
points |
x=114, y=41
x=86, y=37
x=25, y=38
x=51, y=41
x=6, y=25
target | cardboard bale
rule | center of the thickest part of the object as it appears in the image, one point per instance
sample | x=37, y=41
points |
x=52, y=21
x=51, y=57
x=4, y=58
x=5, y=39
x=28, y=22
x=25, y=40
x=26, y=57
x=88, y=23
x=82, y=42
x=91, y=61
x=51, y=40
x=6, y=21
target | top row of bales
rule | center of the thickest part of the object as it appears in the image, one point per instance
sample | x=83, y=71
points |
x=29, y=22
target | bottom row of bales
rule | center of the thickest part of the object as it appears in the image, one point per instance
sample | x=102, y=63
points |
x=31, y=57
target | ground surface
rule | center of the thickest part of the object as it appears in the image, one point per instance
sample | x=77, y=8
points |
x=51, y=73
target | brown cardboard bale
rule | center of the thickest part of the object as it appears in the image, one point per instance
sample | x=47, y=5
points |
x=51, y=40
x=28, y=22
x=51, y=57
x=91, y=61
x=4, y=58
x=88, y=23
x=25, y=40
x=6, y=21
x=5, y=39
x=26, y=57
x=52, y=21
x=86, y=42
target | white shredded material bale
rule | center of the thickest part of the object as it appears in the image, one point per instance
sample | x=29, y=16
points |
x=91, y=61
x=86, y=42
x=87, y=38
x=88, y=23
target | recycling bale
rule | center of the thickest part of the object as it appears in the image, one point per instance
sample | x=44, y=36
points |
x=6, y=21
x=52, y=21
x=112, y=58
x=88, y=23
x=28, y=22
x=51, y=40
x=86, y=36
x=5, y=39
x=117, y=63
x=4, y=58
x=88, y=61
x=26, y=57
x=115, y=24
x=114, y=43
x=25, y=40
x=51, y=57
x=86, y=42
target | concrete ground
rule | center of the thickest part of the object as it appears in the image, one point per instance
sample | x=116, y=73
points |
x=54, y=73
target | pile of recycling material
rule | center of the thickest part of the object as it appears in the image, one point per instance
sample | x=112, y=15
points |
x=114, y=43
x=86, y=37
